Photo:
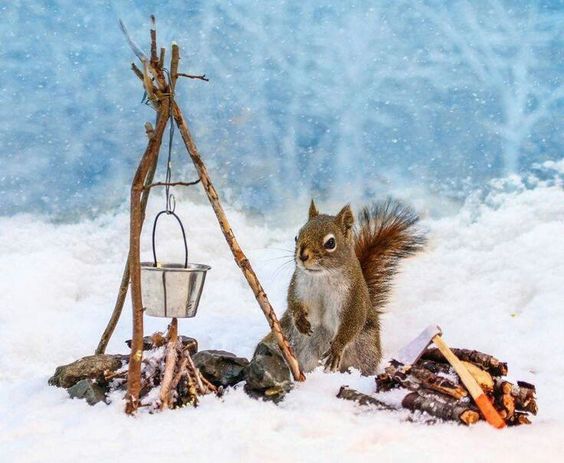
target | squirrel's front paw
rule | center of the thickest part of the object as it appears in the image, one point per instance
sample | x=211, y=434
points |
x=332, y=359
x=302, y=324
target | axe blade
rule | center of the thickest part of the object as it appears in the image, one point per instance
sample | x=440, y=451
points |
x=410, y=353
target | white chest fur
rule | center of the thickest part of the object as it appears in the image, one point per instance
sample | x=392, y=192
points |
x=324, y=296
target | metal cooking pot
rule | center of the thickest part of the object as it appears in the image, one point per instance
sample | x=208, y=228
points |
x=172, y=290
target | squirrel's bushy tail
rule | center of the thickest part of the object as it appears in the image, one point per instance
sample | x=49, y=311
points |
x=386, y=232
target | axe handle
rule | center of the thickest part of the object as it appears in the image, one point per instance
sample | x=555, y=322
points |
x=488, y=411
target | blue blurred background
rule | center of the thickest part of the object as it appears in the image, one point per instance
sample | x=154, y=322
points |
x=340, y=99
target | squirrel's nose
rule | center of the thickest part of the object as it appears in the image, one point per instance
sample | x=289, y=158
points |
x=304, y=255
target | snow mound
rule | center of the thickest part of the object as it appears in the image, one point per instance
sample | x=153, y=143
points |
x=492, y=278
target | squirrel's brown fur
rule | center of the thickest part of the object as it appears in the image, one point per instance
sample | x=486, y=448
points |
x=385, y=234
x=341, y=282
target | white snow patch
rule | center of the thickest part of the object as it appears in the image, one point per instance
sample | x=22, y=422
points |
x=493, y=278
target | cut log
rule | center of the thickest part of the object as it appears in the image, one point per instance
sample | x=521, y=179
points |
x=518, y=419
x=484, y=361
x=523, y=394
x=363, y=399
x=432, y=381
x=416, y=378
x=436, y=367
x=441, y=407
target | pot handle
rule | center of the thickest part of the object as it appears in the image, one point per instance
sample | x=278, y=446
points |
x=183, y=236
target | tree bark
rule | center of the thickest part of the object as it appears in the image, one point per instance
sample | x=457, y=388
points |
x=441, y=407
x=523, y=396
x=486, y=362
x=136, y=219
x=348, y=393
x=170, y=364
x=416, y=378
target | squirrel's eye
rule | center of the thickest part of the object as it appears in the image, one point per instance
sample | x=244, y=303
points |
x=329, y=243
x=296, y=238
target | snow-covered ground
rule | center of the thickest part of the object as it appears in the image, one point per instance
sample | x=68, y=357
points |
x=492, y=277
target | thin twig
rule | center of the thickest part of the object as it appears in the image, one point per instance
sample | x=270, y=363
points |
x=192, y=76
x=174, y=60
x=196, y=373
x=137, y=71
x=162, y=57
x=146, y=187
x=154, y=58
x=134, y=47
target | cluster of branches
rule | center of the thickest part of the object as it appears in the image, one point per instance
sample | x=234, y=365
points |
x=435, y=388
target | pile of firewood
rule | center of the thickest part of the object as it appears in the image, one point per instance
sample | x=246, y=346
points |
x=436, y=389
x=169, y=378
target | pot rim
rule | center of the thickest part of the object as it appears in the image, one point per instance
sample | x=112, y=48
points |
x=169, y=267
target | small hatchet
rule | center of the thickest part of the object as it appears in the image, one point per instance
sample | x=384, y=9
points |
x=409, y=355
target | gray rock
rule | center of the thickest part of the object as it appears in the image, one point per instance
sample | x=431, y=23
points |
x=220, y=367
x=267, y=374
x=91, y=367
x=88, y=390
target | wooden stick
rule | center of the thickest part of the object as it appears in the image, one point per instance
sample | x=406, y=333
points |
x=519, y=418
x=152, y=185
x=210, y=386
x=154, y=57
x=416, y=378
x=174, y=60
x=137, y=71
x=124, y=285
x=182, y=371
x=436, y=406
x=196, y=372
x=193, y=76
x=437, y=383
x=170, y=364
x=162, y=57
x=348, y=393
x=487, y=362
x=238, y=253
x=136, y=220
x=524, y=397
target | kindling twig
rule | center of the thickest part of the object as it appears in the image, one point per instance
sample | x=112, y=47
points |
x=192, y=76
x=170, y=364
x=146, y=187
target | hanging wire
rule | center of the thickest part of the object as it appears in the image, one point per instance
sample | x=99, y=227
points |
x=170, y=199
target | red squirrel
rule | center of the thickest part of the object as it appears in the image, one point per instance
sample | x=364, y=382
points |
x=342, y=279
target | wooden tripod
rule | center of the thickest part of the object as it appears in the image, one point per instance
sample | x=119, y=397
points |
x=160, y=92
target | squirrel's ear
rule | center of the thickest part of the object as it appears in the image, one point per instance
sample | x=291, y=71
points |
x=345, y=220
x=313, y=210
